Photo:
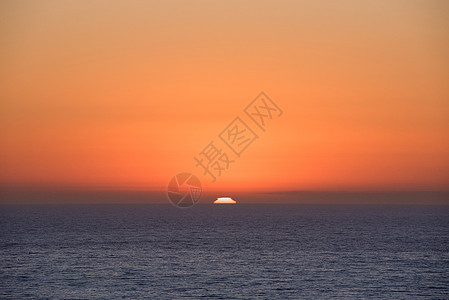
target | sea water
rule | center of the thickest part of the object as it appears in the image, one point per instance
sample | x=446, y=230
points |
x=224, y=252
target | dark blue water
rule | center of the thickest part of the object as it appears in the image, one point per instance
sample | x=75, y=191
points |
x=239, y=252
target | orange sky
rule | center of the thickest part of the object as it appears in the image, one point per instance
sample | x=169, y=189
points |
x=123, y=94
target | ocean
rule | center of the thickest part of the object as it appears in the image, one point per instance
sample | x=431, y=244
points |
x=224, y=252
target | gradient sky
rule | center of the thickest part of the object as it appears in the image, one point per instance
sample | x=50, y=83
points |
x=123, y=94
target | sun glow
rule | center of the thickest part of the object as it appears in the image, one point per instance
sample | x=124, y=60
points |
x=224, y=200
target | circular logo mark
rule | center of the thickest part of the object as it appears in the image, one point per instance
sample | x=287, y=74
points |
x=184, y=190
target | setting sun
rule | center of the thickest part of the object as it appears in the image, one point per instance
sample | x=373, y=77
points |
x=224, y=200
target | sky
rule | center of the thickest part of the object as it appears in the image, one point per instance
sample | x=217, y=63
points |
x=124, y=94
